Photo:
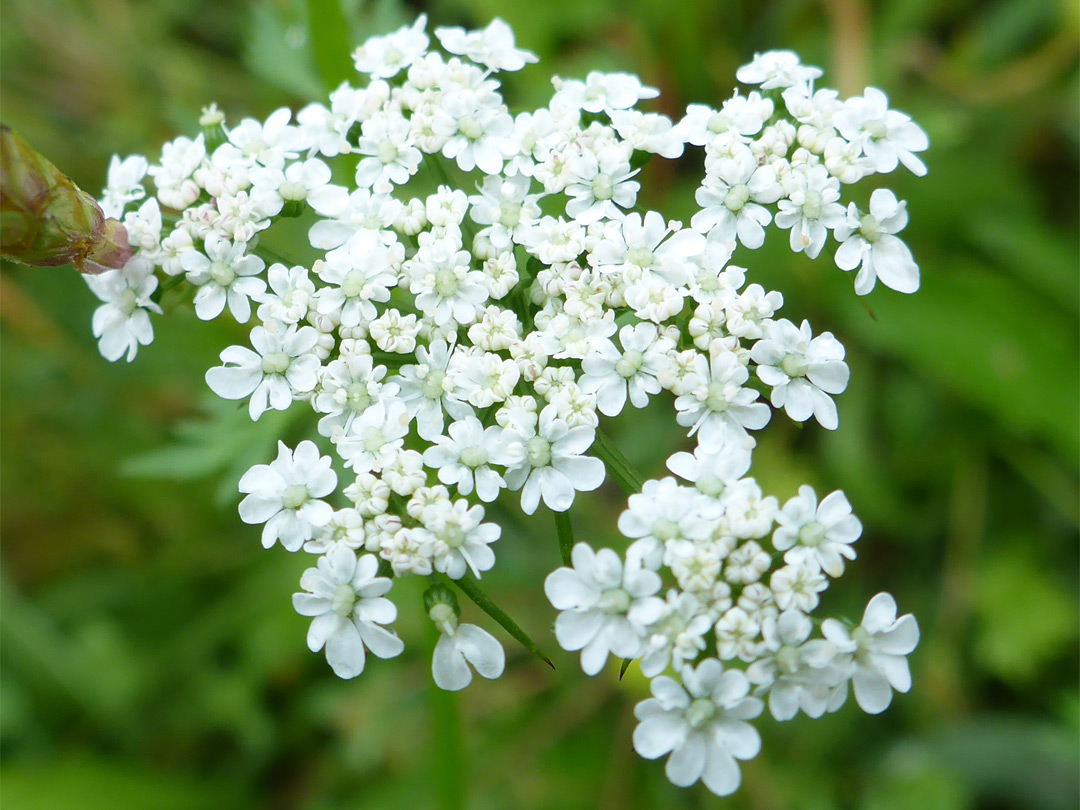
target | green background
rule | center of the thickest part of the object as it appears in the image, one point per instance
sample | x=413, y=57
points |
x=150, y=656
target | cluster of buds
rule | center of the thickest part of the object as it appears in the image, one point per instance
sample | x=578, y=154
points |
x=487, y=291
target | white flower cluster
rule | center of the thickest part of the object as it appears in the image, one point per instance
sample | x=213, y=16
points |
x=736, y=619
x=487, y=288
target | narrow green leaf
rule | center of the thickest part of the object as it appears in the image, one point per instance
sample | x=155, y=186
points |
x=328, y=37
x=566, y=535
x=625, y=666
x=471, y=588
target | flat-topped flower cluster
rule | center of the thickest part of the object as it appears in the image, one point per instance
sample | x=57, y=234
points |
x=487, y=288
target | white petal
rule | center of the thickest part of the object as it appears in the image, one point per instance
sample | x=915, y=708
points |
x=872, y=691
x=574, y=629
x=659, y=734
x=482, y=650
x=448, y=666
x=721, y=774
x=345, y=651
x=687, y=762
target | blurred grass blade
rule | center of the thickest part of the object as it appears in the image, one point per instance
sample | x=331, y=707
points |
x=328, y=37
x=566, y=535
x=471, y=588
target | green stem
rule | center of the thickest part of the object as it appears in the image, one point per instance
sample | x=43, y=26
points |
x=622, y=471
x=471, y=589
x=566, y=535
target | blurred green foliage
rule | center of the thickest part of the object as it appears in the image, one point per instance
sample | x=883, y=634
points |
x=151, y=658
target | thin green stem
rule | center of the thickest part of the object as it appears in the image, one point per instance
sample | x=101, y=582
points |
x=471, y=589
x=566, y=535
x=628, y=479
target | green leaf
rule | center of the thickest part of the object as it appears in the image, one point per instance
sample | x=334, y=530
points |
x=328, y=40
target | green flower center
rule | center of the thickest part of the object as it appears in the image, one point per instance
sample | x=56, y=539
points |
x=275, y=363
x=343, y=600
x=614, y=600
x=294, y=497
x=700, y=712
x=538, y=451
x=222, y=274
x=629, y=364
x=737, y=197
x=474, y=456
x=602, y=187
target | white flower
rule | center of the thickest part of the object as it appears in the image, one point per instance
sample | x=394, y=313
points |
x=285, y=495
x=394, y=332
x=361, y=276
x=427, y=389
x=730, y=199
x=124, y=184
x=345, y=599
x=605, y=605
x=283, y=368
x=796, y=673
x=664, y=511
x=271, y=143
x=737, y=634
x=601, y=92
x=869, y=240
x=746, y=115
x=460, y=540
x=876, y=652
x=748, y=311
x=375, y=436
x=345, y=528
x=504, y=204
x=601, y=184
x=386, y=56
x=460, y=645
x=122, y=323
x=346, y=215
x=887, y=136
x=721, y=401
x=483, y=137
x=678, y=636
x=348, y=386
x=272, y=188
x=464, y=457
x=226, y=274
x=392, y=157
x=444, y=285
x=774, y=69
x=712, y=469
x=702, y=723
x=610, y=374
x=811, y=209
x=492, y=47
x=639, y=245
x=802, y=370
x=797, y=585
x=179, y=160
x=823, y=533
x=291, y=296
x=554, y=467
